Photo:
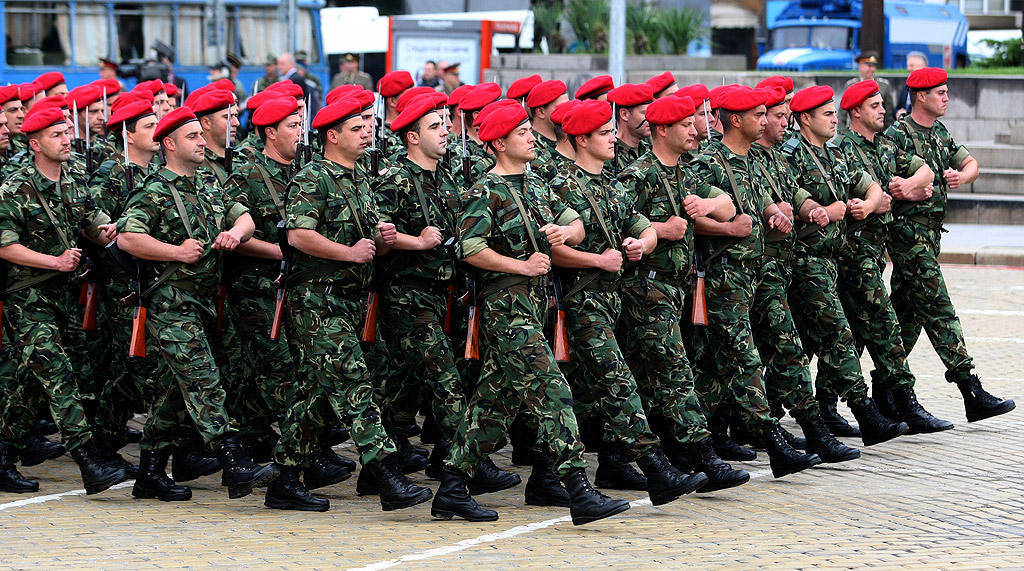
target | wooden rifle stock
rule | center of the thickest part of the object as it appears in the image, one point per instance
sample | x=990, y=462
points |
x=473, y=334
x=275, y=327
x=137, y=347
x=561, y=337
x=370, y=324
x=281, y=283
x=89, y=318
x=449, y=310
x=700, y=306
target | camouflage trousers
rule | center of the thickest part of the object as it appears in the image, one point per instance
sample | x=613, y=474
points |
x=518, y=369
x=823, y=327
x=415, y=320
x=869, y=311
x=332, y=379
x=920, y=298
x=601, y=378
x=181, y=325
x=35, y=320
x=727, y=362
x=787, y=376
x=653, y=347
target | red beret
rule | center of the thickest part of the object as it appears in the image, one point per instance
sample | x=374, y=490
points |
x=440, y=99
x=545, y=92
x=111, y=86
x=810, y=98
x=289, y=88
x=786, y=83
x=586, y=117
x=927, y=78
x=414, y=110
x=8, y=93
x=669, y=110
x=858, y=93
x=714, y=93
x=631, y=94
x=366, y=98
x=195, y=95
x=28, y=90
x=84, y=96
x=226, y=85
x=50, y=79
x=39, y=118
x=274, y=111
x=254, y=102
x=155, y=86
x=57, y=101
x=775, y=95
x=480, y=96
x=698, y=92
x=502, y=121
x=595, y=87
x=170, y=89
x=132, y=97
x=523, y=86
x=395, y=83
x=212, y=102
x=133, y=110
x=559, y=113
x=172, y=121
x=410, y=94
x=342, y=91
x=740, y=98
x=661, y=82
x=491, y=108
x=458, y=93
x=337, y=112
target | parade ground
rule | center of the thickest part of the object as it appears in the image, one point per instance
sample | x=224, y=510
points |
x=950, y=500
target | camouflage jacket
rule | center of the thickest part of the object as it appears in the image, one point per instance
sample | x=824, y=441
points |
x=939, y=150
x=769, y=164
x=108, y=185
x=544, y=147
x=248, y=186
x=480, y=162
x=624, y=156
x=548, y=169
x=214, y=165
x=882, y=160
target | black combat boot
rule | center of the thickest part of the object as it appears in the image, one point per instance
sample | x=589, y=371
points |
x=874, y=427
x=836, y=424
x=333, y=457
x=614, y=470
x=739, y=432
x=261, y=446
x=821, y=442
x=664, y=482
x=38, y=449
x=587, y=504
x=409, y=458
x=436, y=460
x=153, y=482
x=523, y=436
x=287, y=493
x=395, y=489
x=677, y=453
x=797, y=442
x=453, y=499
x=10, y=479
x=979, y=403
x=193, y=460
x=919, y=420
x=46, y=426
x=334, y=436
x=783, y=458
x=725, y=447
x=720, y=475
x=431, y=431
x=543, y=488
x=322, y=471
x=883, y=398
x=240, y=472
x=97, y=475
x=489, y=478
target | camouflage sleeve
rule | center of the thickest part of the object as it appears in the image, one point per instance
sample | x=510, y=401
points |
x=143, y=211
x=305, y=199
x=475, y=220
x=92, y=218
x=635, y=223
x=100, y=183
x=564, y=214
x=860, y=180
x=237, y=186
x=906, y=163
x=388, y=194
x=12, y=217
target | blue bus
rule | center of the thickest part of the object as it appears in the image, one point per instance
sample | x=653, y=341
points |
x=71, y=37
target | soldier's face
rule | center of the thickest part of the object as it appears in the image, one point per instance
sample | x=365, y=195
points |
x=433, y=136
x=682, y=136
x=189, y=144
x=142, y=138
x=701, y=123
x=288, y=133
x=519, y=144
x=160, y=105
x=5, y=133
x=96, y=118
x=53, y=143
x=822, y=121
x=601, y=143
x=935, y=101
x=753, y=123
x=15, y=114
x=667, y=91
x=872, y=113
x=59, y=89
x=775, y=124
x=867, y=70
x=637, y=123
x=353, y=138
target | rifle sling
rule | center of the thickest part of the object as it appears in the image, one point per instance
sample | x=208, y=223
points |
x=739, y=208
x=174, y=266
x=267, y=180
x=591, y=275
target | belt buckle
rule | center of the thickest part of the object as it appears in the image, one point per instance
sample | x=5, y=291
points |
x=652, y=275
x=329, y=289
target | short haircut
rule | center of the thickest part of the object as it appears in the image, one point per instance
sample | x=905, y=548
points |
x=726, y=116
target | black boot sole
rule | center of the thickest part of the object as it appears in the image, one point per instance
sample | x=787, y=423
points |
x=261, y=478
x=476, y=490
x=28, y=489
x=716, y=484
x=871, y=440
x=545, y=500
x=828, y=459
x=420, y=497
x=316, y=484
x=693, y=482
x=146, y=494
x=589, y=518
x=183, y=476
x=1004, y=407
x=927, y=426
x=785, y=471
x=35, y=460
x=449, y=514
x=113, y=480
x=278, y=504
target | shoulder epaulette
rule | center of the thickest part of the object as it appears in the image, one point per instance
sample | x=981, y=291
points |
x=106, y=167
x=791, y=145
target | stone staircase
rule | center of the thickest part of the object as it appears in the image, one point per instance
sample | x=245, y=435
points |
x=997, y=197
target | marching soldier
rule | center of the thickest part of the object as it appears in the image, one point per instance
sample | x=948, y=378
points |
x=541, y=102
x=480, y=160
x=633, y=131
x=218, y=116
x=391, y=87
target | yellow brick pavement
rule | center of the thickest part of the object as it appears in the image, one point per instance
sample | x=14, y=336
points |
x=946, y=501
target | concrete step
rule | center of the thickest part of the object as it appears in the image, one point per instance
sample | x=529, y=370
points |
x=1004, y=181
x=996, y=155
x=970, y=208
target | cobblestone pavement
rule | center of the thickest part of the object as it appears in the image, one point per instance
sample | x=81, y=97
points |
x=945, y=501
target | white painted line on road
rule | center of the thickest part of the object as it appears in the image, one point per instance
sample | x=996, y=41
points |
x=1017, y=340
x=51, y=497
x=994, y=312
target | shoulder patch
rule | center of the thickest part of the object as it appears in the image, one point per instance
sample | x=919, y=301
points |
x=791, y=145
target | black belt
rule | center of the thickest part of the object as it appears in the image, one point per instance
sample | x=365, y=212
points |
x=661, y=277
x=431, y=286
x=874, y=236
x=192, y=287
x=774, y=250
x=603, y=285
x=931, y=223
x=733, y=262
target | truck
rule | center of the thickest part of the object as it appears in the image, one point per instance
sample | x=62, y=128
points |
x=811, y=35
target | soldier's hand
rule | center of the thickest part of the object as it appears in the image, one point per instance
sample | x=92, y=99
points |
x=952, y=177
x=610, y=260
x=819, y=216
x=362, y=252
x=927, y=191
x=68, y=260
x=857, y=208
x=108, y=231
x=190, y=251
x=696, y=206
x=741, y=226
x=536, y=265
x=634, y=249
x=840, y=211
x=674, y=229
x=387, y=232
x=225, y=241
x=786, y=209
x=780, y=222
x=556, y=234
x=430, y=237
x=898, y=187
x=884, y=204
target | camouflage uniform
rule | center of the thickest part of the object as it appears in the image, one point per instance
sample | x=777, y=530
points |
x=625, y=156
x=548, y=169
x=416, y=297
x=36, y=317
x=518, y=367
x=480, y=162
x=727, y=359
x=652, y=302
x=326, y=314
x=181, y=317
x=600, y=376
x=862, y=261
x=816, y=308
x=919, y=293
